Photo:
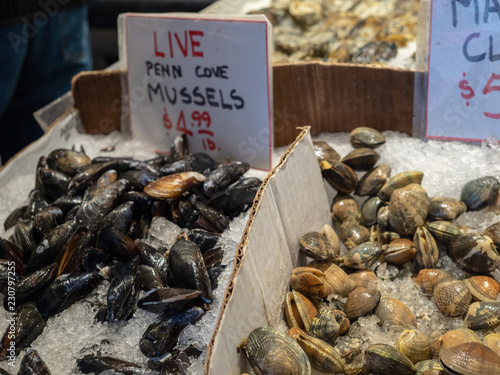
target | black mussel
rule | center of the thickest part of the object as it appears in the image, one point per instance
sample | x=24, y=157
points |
x=47, y=219
x=164, y=300
x=32, y=364
x=197, y=162
x=7, y=273
x=160, y=208
x=22, y=330
x=213, y=274
x=50, y=245
x=123, y=292
x=161, y=337
x=83, y=179
x=106, y=179
x=100, y=203
x=115, y=242
x=188, y=214
x=204, y=239
x=187, y=270
x=25, y=236
x=71, y=215
x=178, y=148
x=217, y=220
x=139, y=179
x=37, y=201
x=70, y=260
x=237, y=197
x=94, y=260
x=224, y=176
x=55, y=184
x=125, y=164
x=42, y=163
x=141, y=229
x=11, y=252
x=213, y=257
x=154, y=258
x=158, y=162
x=120, y=218
x=69, y=162
x=17, y=214
x=142, y=201
x=67, y=202
x=106, y=159
x=112, y=269
x=28, y=288
x=149, y=278
x=97, y=364
x=66, y=290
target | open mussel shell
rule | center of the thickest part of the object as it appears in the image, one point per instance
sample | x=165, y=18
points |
x=473, y=253
x=414, y=344
x=366, y=137
x=166, y=299
x=273, y=353
x=481, y=315
x=174, y=185
x=479, y=193
x=324, y=151
x=316, y=246
x=383, y=359
x=452, y=297
x=322, y=356
x=483, y=288
x=470, y=359
x=339, y=175
x=408, y=207
x=361, y=302
x=299, y=311
x=395, y=313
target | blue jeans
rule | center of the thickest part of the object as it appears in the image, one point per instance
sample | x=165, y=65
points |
x=38, y=58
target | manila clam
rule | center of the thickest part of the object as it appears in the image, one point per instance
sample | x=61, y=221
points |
x=414, y=344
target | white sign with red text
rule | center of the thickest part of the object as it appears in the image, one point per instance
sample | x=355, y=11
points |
x=209, y=78
x=463, y=89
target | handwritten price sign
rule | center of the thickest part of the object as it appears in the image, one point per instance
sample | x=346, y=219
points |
x=463, y=97
x=209, y=79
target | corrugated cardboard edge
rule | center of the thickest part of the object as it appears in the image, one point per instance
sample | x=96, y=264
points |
x=98, y=97
x=240, y=252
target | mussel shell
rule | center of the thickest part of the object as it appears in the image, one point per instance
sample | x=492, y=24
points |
x=366, y=137
x=117, y=243
x=162, y=300
x=273, y=353
x=47, y=219
x=37, y=201
x=479, y=193
x=25, y=236
x=199, y=162
x=139, y=179
x=339, y=175
x=473, y=253
x=361, y=302
x=237, y=197
x=188, y=270
x=373, y=180
x=452, y=297
x=17, y=214
x=316, y=246
x=383, y=359
x=120, y=218
x=361, y=159
x=32, y=364
x=67, y=161
x=444, y=208
x=224, y=176
x=11, y=252
x=174, y=185
x=55, y=184
x=66, y=290
x=97, y=364
x=483, y=315
x=123, y=292
x=470, y=359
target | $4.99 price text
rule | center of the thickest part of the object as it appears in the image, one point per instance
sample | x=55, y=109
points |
x=196, y=122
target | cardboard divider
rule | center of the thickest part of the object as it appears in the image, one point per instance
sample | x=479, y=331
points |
x=329, y=97
x=290, y=202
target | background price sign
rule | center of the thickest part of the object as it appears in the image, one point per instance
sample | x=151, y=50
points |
x=463, y=97
x=208, y=78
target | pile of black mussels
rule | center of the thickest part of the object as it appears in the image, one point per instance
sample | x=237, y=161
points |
x=87, y=220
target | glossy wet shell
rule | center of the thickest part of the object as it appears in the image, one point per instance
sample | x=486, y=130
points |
x=493, y=231
x=456, y=337
x=332, y=237
x=428, y=278
x=353, y=234
x=366, y=137
x=339, y=175
x=373, y=180
x=273, y=353
x=414, y=344
x=345, y=209
x=473, y=253
x=443, y=231
x=316, y=246
x=399, y=251
x=369, y=211
x=492, y=341
x=325, y=327
x=299, y=311
x=324, y=151
x=481, y=315
x=429, y=367
x=408, y=209
x=395, y=313
x=174, y=185
x=400, y=180
x=361, y=302
x=479, y=193
x=361, y=159
x=363, y=256
x=323, y=357
x=483, y=288
x=383, y=359
x=452, y=297
x=364, y=278
x=444, y=208
x=336, y=280
x=427, y=254
x=309, y=281
x=470, y=359
x=68, y=161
